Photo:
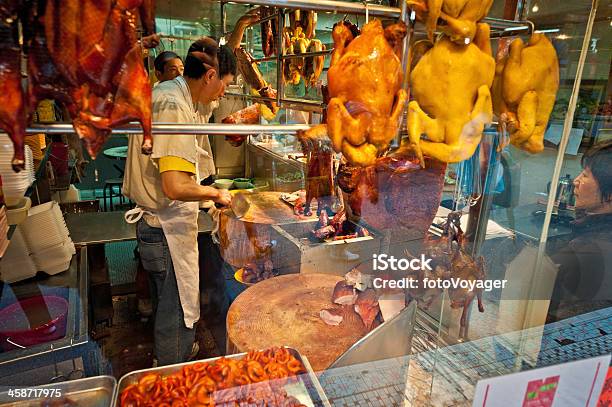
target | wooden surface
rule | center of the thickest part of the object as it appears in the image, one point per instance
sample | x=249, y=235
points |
x=285, y=310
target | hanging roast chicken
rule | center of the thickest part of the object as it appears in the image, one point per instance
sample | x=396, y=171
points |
x=452, y=98
x=456, y=18
x=366, y=98
x=524, y=90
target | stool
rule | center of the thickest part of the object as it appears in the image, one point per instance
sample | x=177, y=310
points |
x=110, y=185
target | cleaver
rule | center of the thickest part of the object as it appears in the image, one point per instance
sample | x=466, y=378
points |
x=240, y=205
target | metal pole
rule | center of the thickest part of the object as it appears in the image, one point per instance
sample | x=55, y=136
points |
x=280, y=62
x=223, y=19
x=212, y=129
x=406, y=17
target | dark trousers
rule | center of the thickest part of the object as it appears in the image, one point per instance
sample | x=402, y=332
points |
x=173, y=340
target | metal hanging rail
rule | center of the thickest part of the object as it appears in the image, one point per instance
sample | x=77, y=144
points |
x=298, y=104
x=174, y=128
x=340, y=7
x=375, y=10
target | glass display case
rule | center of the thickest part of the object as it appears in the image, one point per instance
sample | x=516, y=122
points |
x=402, y=272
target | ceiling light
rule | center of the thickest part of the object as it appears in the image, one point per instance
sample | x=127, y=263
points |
x=535, y=8
x=562, y=37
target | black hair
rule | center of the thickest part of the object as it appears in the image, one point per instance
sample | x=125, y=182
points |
x=598, y=159
x=162, y=59
x=205, y=54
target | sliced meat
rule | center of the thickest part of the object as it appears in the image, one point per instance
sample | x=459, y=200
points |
x=367, y=307
x=344, y=294
x=332, y=316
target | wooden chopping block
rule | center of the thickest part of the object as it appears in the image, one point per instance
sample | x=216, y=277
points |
x=247, y=239
x=285, y=310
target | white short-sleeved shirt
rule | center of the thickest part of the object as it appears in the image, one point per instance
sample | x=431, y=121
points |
x=172, y=103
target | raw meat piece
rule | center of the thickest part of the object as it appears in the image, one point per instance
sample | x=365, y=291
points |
x=344, y=294
x=367, y=307
x=331, y=316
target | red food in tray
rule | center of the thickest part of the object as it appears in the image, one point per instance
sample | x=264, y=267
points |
x=256, y=379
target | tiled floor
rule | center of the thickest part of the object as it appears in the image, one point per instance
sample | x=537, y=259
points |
x=448, y=377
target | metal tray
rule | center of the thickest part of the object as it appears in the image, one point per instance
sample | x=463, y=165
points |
x=307, y=390
x=96, y=391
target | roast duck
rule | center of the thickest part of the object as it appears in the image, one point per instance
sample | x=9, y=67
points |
x=83, y=54
x=299, y=39
x=451, y=260
x=524, y=90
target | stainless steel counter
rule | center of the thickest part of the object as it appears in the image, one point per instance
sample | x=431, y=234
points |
x=108, y=227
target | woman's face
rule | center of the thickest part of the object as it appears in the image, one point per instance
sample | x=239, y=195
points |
x=586, y=191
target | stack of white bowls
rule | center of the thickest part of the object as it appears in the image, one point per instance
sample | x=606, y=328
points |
x=17, y=263
x=14, y=184
x=47, y=237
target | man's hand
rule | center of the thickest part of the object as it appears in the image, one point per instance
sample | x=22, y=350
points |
x=249, y=18
x=224, y=198
x=234, y=40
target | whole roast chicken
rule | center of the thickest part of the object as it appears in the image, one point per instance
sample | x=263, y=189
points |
x=366, y=98
x=524, y=90
x=452, y=99
x=456, y=18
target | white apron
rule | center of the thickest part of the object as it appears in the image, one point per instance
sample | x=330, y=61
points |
x=179, y=221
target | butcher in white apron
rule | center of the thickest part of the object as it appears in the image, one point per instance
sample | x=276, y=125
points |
x=165, y=187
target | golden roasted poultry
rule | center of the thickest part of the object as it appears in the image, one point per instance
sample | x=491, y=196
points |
x=362, y=120
x=524, y=91
x=452, y=99
x=296, y=43
x=458, y=18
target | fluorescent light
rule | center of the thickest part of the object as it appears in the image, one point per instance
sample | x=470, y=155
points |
x=519, y=28
x=551, y=30
x=562, y=37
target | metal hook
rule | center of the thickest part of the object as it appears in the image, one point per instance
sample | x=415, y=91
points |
x=531, y=26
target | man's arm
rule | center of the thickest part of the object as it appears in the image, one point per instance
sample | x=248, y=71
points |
x=241, y=25
x=179, y=185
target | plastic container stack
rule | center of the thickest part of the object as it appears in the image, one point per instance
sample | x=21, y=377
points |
x=47, y=238
x=17, y=263
x=14, y=184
